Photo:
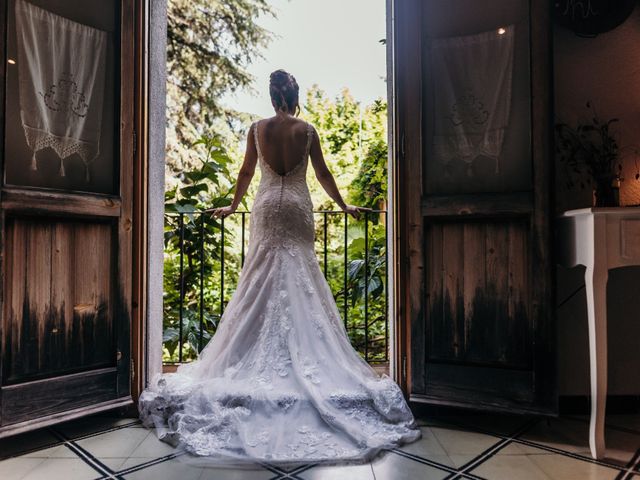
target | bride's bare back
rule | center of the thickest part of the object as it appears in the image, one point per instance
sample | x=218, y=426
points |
x=282, y=142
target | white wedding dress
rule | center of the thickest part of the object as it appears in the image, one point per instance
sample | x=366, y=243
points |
x=279, y=381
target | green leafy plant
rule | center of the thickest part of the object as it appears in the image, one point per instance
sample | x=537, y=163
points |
x=193, y=240
x=589, y=151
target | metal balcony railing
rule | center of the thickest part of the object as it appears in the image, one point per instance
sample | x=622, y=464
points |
x=203, y=258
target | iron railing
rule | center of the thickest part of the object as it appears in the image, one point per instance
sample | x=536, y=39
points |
x=200, y=247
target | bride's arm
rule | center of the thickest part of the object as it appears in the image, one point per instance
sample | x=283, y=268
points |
x=326, y=179
x=245, y=175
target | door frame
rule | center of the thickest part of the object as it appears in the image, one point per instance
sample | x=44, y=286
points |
x=140, y=204
x=406, y=152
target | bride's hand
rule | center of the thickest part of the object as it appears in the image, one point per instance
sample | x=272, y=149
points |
x=355, y=211
x=221, y=212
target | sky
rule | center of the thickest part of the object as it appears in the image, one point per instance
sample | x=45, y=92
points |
x=333, y=43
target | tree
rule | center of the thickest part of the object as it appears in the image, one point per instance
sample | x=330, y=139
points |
x=351, y=134
x=210, y=45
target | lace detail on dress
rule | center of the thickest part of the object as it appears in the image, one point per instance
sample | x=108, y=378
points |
x=279, y=381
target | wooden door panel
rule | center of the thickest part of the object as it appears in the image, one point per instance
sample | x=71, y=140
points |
x=477, y=301
x=481, y=387
x=81, y=295
x=39, y=398
x=26, y=348
x=58, y=315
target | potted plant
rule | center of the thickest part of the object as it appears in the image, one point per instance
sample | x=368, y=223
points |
x=591, y=156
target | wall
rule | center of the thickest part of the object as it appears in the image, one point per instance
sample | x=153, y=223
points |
x=606, y=71
x=157, y=122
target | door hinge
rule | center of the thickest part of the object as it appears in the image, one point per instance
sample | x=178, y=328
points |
x=402, y=146
x=404, y=367
x=133, y=370
x=135, y=142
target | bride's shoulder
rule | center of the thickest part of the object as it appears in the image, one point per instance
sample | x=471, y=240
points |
x=305, y=127
x=300, y=124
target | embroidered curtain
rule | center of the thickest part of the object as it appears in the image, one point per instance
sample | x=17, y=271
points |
x=61, y=70
x=472, y=77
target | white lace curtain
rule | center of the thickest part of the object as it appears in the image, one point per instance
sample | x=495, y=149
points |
x=61, y=69
x=472, y=77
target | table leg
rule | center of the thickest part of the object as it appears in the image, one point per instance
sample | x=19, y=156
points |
x=596, y=287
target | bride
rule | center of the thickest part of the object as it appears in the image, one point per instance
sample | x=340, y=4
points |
x=279, y=381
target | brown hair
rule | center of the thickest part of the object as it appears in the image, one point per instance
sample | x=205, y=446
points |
x=284, y=90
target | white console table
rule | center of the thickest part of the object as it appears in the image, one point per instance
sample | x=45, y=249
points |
x=600, y=239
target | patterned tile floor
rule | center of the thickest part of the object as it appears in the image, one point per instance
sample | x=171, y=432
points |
x=496, y=447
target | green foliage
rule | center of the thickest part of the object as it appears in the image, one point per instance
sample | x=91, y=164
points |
x=369, y=188
x=193, y=238
x=353, y=138
x=210, y=45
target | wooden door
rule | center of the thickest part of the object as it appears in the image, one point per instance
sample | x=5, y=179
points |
x=66, y=209
x=472, y=120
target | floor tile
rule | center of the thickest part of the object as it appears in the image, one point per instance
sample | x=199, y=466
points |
x=152, y=447
x=572, y=436
x=558, y=466
x=291, y=467
x=24, y=442
x=343, y=472
x=16, y=468
x=39, y=454
x=62, y=469
x=428, y=446
x=509, y=467
x=564, y=434
x=113, y=448
x=59, y=451
x=620, y=446
x=392, y=466
x=93, y=424
x=461, y=446
x=167, y=470
x=180, y=468
x=515, y=448
x=235, y=474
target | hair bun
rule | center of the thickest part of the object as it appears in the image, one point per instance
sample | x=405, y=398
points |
x=281, y=78
x=284, y=90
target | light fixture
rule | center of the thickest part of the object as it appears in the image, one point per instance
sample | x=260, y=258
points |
x=501, y=31
x=11, y=61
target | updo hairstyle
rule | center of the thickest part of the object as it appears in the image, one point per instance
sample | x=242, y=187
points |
x=284, y=90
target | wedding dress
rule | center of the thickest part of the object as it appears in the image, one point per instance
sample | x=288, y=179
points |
x=279, y=381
